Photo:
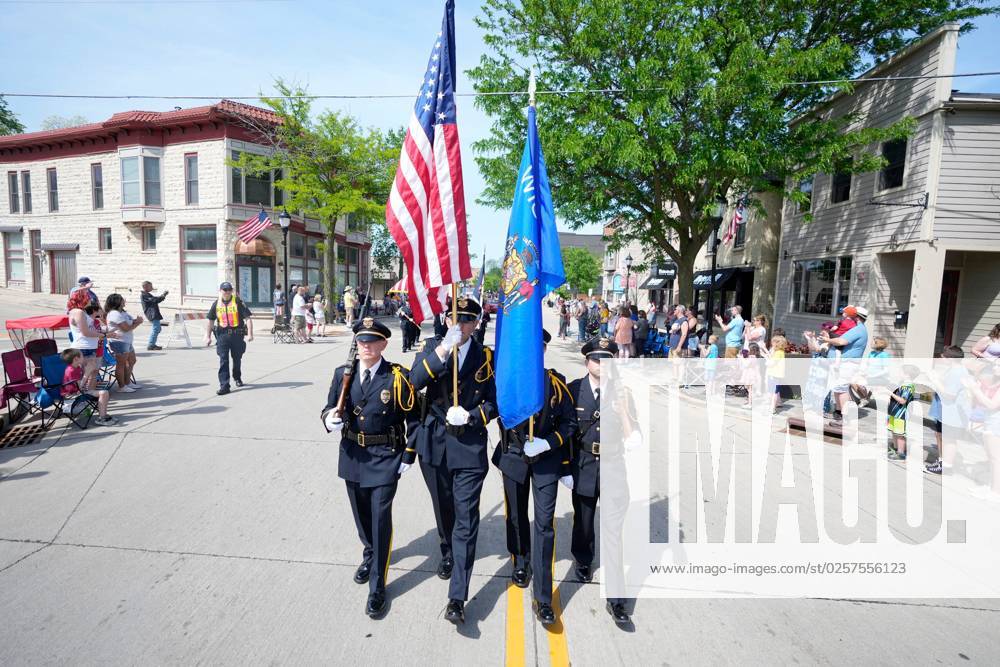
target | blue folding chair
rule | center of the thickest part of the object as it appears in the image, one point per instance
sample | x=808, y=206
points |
x=82, y=406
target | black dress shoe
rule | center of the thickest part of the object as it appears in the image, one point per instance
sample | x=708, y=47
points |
x=223, y=391
x=617, y=611
x=455, y=612
x=521, y=576
x=543, y=611
x=584, y=573
x=376, y=606
x=362, y=573
x=445, y=567
x=239, y=383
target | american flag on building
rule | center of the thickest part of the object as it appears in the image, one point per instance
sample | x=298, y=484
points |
x=254, y=226
x=735, y=222
x=426, y=208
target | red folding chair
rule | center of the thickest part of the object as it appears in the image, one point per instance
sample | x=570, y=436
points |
x=19, y=388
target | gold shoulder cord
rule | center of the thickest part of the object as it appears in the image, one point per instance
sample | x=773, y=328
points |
x=487, y=366
x=559, y=386
x=397, y=385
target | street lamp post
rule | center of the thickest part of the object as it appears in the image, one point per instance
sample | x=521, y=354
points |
x=718, y=211
x=285, y=221
x=628, y=276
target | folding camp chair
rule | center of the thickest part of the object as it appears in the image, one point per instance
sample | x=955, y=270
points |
x=19, y=387
x=649, y=343
x=107, y=364
x=282, y=333
x=112, y=356
x=38, y=348
x=82, y=406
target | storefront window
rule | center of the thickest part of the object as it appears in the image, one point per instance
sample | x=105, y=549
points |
x=818, y=285
x=199, y=259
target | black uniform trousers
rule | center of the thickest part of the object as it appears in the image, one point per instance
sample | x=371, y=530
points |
x=519, y=530
x=466, y=487
x=228, y=343
x=438, y=481
x=372, y=508
x=584, y=511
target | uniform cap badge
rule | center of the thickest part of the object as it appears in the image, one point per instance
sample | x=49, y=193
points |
x=368, y=322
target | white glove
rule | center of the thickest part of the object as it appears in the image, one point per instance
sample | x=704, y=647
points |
x=457, y=416
x=634, y=441
x=537, y=446
x=567, y=481
x=403, y=467
x=332, y=421
x=452, y=339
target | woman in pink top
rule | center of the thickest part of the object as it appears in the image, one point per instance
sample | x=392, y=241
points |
x=623, y=333
x=988, y=347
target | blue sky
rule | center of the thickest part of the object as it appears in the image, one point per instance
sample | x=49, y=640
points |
x=239, y=48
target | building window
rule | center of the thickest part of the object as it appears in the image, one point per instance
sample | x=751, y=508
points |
x=13, y=244
x=255, y=189
x=104, y=239
x=806, y=188
x=279, y=194
x=149, y=238
x=199, y=260
x=15, y=198
x=348, y=265
x=841, y=188
x=26, y=188
x=141, y=180
x=53, y=189
x=297, y=245
x=894, y=153
x=191, y=179
x=97, y=186
x=821, y=286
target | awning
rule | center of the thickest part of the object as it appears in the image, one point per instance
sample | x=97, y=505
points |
x=39, y=322
x=702, y=279
x=653, y=282
x=61, y=246
x=11, y=229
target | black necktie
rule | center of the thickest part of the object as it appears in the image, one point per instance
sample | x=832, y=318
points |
x=365, y=377
x=597, y=396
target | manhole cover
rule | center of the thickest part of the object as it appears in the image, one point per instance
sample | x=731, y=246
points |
x=19, y=436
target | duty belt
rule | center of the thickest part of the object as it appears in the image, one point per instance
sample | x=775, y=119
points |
x=367, y=439
x=591, y=447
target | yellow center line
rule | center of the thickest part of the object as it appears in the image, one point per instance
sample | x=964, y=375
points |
x=515, y=626
x=558, y=649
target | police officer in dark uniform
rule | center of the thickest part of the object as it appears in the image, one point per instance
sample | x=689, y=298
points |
x=451, y=442
x=484, y=323
x=407, y=326
x=372, y=430
x=229, y=319
x=537, y=465
x=585, y=466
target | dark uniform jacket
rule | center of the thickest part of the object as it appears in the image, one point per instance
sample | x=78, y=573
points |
x=556, y=423
x=465, y=447
x=584, y=464
x=378, y=411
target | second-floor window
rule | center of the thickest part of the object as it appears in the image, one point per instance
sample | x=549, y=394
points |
x=894, y=153
x=191, y=178
x=806, y=188
x=26, y=187
x=53, y=189
x=141, y=181
x=15, y=199
x=97, y=186
x=254, y=189
x=104, y=239
x=840, y=189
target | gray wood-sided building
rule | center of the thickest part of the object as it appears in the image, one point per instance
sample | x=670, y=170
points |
x=917, y=243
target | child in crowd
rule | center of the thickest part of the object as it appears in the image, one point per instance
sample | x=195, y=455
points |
x=750, y=376
x=72, y=378
x=710, y=353
x=319, y=315
x=775, y=368
x=899, y=400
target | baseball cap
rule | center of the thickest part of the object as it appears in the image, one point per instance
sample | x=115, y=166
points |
x=850, y=311
x=226, y=285
x=83, y=280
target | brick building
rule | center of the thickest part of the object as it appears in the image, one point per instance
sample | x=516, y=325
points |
x=148, y=196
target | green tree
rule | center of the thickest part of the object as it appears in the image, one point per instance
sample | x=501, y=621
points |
x=697, y=102
x=583, y=270
x=9, y=124
x=329, y=165
x=56, y=122
x=491, y=283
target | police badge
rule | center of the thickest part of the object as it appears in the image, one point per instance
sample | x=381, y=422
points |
x=368, y=322
x=604, y=343
x=386, y=396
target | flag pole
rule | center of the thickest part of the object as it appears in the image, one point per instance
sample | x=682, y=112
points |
x=454, y=350
x=531, y=103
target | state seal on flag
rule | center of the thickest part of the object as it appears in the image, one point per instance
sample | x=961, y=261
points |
x=519, y=273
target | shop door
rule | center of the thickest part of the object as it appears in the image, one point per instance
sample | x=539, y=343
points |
x=946, y=311
x=63, y=271
x=255, y=279
x=36, y=260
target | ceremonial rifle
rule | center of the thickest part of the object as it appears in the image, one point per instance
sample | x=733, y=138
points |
x=352, y=355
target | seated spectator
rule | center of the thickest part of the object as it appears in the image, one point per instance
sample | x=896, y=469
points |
x=71, y=381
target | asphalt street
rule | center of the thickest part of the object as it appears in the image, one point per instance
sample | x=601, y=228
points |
x=208, y=529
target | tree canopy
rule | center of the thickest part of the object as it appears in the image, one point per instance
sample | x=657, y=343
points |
x=583, y=270
x=696, y=102
x=56, y=122
x=9, y=124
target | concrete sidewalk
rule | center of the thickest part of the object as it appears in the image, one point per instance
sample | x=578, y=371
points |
x=207, y=529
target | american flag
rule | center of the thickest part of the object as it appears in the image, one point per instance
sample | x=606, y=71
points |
x=254, y=226
x=426, y=208
x=734, y=224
